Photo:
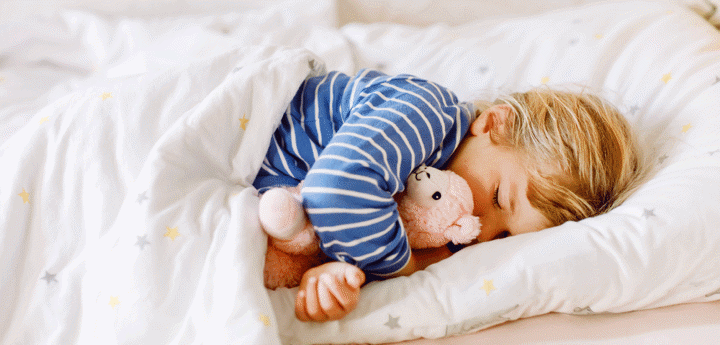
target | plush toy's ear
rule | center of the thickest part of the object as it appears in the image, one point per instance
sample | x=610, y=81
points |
x=464, y=230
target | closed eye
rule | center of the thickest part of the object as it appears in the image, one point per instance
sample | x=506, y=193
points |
x=496, y=202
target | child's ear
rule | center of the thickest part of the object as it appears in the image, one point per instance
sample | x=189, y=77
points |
x=494, y=117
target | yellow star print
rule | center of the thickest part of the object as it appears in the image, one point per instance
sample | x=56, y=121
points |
x=171, y=232
x=243, y=122
x=666, y=78
x=2, y=79
x=114, y=301
x=44, y=119
x=106, y=95
x=598, y=36
x=686, y=128
x=265, y=319
x=25, y=196
x=488, y=286
x=545, y=80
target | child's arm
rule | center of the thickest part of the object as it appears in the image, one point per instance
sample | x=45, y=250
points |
x=390, y=126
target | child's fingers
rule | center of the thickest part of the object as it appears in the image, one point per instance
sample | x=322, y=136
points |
x=354, y=277
x=312, y=305
x=300, y=303
x=327, y=288
x=342, y=293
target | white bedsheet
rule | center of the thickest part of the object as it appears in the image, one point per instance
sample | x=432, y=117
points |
x=126, y=138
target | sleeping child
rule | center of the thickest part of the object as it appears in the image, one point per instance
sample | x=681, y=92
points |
x=533, y=160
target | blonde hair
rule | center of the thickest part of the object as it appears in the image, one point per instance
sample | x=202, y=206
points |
x=583, y=157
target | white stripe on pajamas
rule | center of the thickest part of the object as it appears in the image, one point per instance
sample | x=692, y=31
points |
x=354, y=141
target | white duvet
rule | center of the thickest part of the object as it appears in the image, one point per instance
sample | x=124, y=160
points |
x=127, y=215
x=178, y=257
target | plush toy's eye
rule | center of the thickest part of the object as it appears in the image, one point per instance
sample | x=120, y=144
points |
x=437, y=196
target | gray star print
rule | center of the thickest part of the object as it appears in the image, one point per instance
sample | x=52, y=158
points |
x=141, y=197
x=583, y=311
x=49, y=278
x=648, y=213
x=393, y=322
x=142, y=242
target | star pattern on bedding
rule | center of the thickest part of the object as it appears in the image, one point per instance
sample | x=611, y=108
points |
x=243, y=122
x=583, y=311
x=544, y=80
x=686, y=128
x=488, y=286
x=142, y=242
x=171, y=232
x=44, y=119
x=106, y=95
x=25, y=196
x=392, y=322
x=114, y=301
x=141, y=197
x=49, y=278
x=598, y=36
x=666, y=77
x=647, y=213
x=2, y=80
x=265, y=320
x=634, y=109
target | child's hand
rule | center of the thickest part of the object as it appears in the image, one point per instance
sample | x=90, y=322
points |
x=328, y=292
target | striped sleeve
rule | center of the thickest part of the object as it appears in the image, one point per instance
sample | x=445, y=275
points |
x=390, y=126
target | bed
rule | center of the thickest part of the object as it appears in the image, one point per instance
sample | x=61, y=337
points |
x=130, y=133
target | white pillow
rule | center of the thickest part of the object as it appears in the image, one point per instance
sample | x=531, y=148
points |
x=660, y=64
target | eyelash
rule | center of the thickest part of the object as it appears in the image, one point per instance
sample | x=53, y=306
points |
x=495, y=198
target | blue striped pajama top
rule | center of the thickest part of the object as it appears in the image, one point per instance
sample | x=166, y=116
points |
x=354, y=141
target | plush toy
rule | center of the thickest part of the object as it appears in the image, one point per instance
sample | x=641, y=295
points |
x=435, y=208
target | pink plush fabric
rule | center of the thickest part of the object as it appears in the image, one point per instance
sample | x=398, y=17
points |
x=437, y=222
x=436, y=208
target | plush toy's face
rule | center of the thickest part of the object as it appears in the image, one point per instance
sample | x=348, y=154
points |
x=436, y=208
x=426, y=186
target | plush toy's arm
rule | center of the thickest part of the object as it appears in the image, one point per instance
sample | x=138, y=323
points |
x=465, y=229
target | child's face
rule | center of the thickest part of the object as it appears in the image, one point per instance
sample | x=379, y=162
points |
x=498, y=179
